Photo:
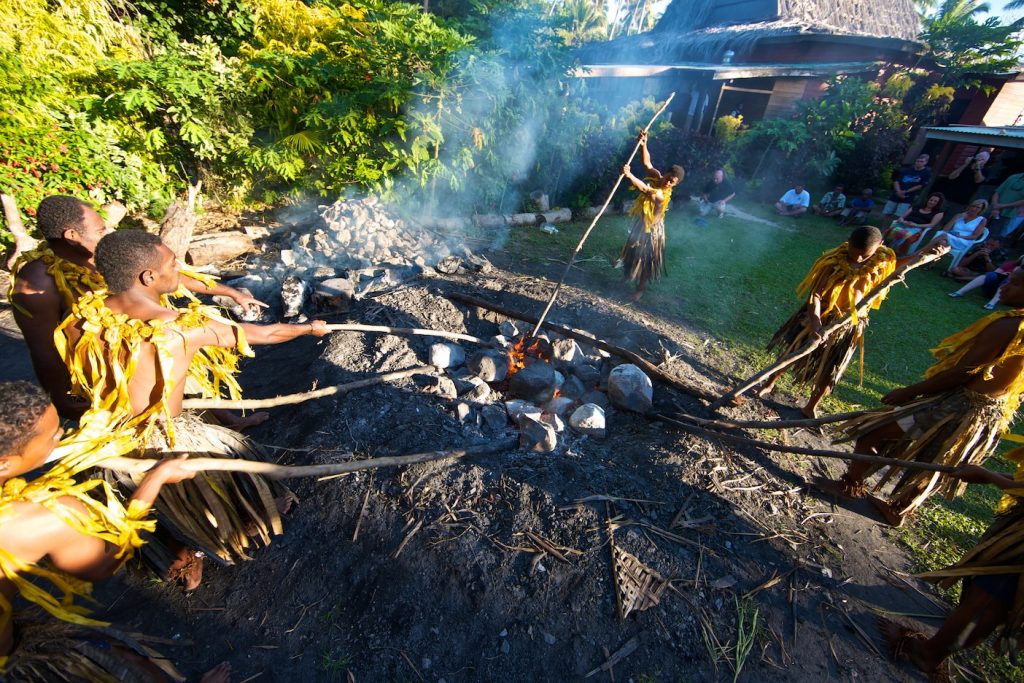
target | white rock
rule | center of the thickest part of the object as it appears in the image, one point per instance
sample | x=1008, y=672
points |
x=629, y=388
x=588, y=419
x=559, y=405
x=537, y=436
x=447, y=355
x=554, y=421
x=517, y=408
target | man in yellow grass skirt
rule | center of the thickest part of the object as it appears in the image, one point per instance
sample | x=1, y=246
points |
x=58, y=534
x=992, y=599
x=130, y=354
x=954, y=416
x=46, y=281
x=837, y=280
x=643, y=256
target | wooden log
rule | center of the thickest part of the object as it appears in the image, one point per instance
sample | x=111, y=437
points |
x=274, y=471
x=219, y=247
x=586, y=233
x=114, y=213
x=863, y=308
x=587, y=338
x=562, y=215
x=801, y=450
x=22, y=241
x=178, y=225
x=302, y=397
x=412, y=331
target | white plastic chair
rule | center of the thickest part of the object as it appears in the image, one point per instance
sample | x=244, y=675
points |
x=958, y=254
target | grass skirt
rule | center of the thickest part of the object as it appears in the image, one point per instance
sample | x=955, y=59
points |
x=1002, y=545
x=827, y=363
x=959, y=427
x=220, y=513
x=643, y=256
x=48, y=650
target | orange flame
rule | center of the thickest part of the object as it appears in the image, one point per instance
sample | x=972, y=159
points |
x=519, y=351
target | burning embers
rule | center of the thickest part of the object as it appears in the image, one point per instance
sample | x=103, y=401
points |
x=548, y=388
x=524, y=347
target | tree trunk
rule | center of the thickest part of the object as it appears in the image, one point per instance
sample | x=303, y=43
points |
x=22, y=241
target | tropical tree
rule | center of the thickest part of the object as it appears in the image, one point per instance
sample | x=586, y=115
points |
x=586, y=21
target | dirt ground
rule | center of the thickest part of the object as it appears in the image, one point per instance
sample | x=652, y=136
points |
x=442, y=581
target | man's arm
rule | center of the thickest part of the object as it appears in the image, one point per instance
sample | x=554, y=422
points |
x=727, y=199
x=645, y=156
x=36, y=294
x=241, y=298
x=218, y=334
x=900, y=192
x=989, y=344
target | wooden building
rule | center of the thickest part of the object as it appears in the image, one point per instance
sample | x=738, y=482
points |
x=754, y=57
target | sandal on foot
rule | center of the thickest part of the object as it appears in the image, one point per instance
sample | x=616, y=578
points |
x=955, y=294
x=989, y=307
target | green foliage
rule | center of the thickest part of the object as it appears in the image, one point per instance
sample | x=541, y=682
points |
x=228, y=22
x=179, y=107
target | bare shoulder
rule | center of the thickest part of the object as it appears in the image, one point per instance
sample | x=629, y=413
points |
x=30, y=528
x=33, y=278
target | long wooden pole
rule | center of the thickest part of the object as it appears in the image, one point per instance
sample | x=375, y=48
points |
x=771, y=424
x=863, y=307
x=587, y=338
x=22, y=241
x=586, y=233
x=800, y=450
x=290, y=399
x=409, y=331
x=273, y=471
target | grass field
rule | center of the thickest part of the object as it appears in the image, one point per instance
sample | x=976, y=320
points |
x=735, y=278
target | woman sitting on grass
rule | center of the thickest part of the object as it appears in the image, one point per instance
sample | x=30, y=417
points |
x=906, y=230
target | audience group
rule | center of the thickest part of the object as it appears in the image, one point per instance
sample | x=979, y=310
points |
x=921, y=211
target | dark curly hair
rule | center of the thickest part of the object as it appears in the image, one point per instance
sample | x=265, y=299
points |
x=122, y=255
x=58, y=213
x=21, y=405
x=865, y=237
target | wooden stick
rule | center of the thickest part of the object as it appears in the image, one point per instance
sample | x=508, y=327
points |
x=22, y=241
x=586, y=233
x=587, y=338
x=273, y=471
x=408, y=331
x=863, y=307
x=800, y=450
x=772, y=424
x=290, y=399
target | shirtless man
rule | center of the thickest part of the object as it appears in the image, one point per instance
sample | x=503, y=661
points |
x=35, y=523
x=142, y=390
x=954, y=416
x=48, y=280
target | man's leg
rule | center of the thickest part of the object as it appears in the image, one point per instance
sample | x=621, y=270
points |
x=780, y=207
x=851, y=484
x=973, y=620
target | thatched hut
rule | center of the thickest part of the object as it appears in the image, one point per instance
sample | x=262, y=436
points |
x=757, y=57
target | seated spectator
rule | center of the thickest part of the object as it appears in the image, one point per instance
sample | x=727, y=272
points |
x=914, y=224
x=831, y=203
x=908, y=183
x=858, y=208
x=991, y=282
x=795, y=202
x=716, y=194
x=980, y=259
x=1008, y=204
x=964, y=229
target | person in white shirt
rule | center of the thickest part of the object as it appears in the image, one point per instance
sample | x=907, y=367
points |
x=794, y=203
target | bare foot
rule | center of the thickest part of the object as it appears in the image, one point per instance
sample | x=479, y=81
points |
x=187, y=569
x=218, y=674
x=738, y=400
x=810, y=411
x=285, y=503
x=238, y=422
x=903, y=642
x=891, y=516
x=840, y=489
x=766, y=389
x=635, y=296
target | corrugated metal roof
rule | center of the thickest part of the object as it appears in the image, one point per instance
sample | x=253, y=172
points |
x=725, y=71
x=994, y=136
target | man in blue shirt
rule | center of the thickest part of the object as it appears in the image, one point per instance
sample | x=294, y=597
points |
x=906, y=185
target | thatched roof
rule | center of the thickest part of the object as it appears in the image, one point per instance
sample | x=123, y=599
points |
x=877, y=18
x=666, y=46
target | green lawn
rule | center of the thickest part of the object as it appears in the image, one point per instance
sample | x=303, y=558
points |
x=734, y=280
